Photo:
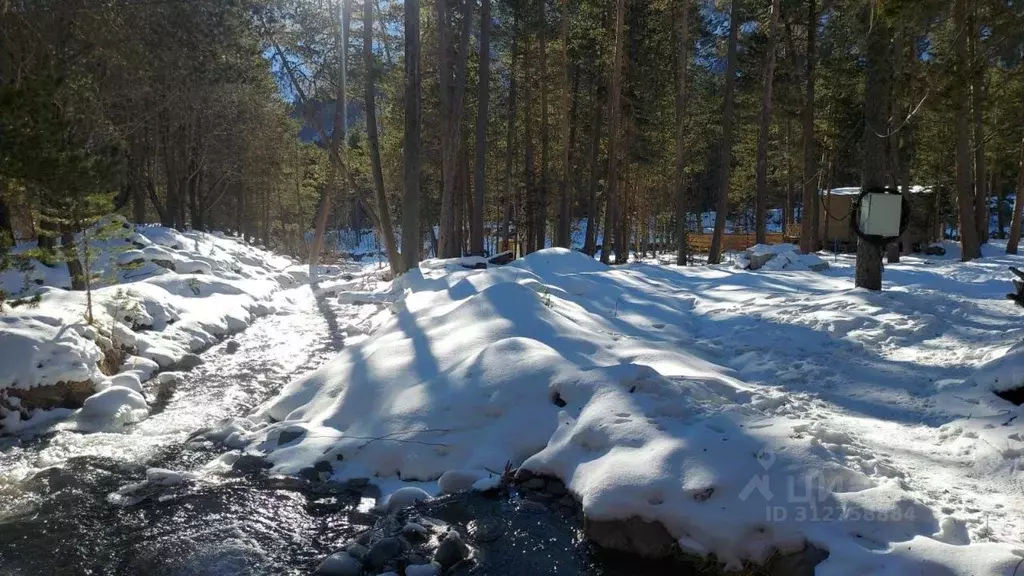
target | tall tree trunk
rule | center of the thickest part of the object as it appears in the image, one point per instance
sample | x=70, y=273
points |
x=510, y=189
x=459, y=200
x=337, y=141
x=568, y=106
x=541, y=213
x=1000, y=195
x=6, y=224
x=808, y=231
x=790, y=217
x=981, y=204
x=412, y=240
x=476, y=241
x=1018, y=207
x=969, y=245
x=876, y=93
x=615, y=113
x=725, y=155
x=370, y=101
x=682, y=33
x=452, y=94
x=590, y=240
x=72, y=258
x=764, y=125
x=897, y=146
x=194, y=208
x=530, y=202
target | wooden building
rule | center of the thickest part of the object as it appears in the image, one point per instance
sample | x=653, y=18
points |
x=835, y=215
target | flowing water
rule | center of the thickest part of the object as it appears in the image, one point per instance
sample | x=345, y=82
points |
x=55, y=517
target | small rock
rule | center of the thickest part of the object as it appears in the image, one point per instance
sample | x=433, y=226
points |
x=169, y=377
x=249, y=463
x=634, y=536
x=384, y=551
x=414, y=532
x=290, y=435
x=357, y=551
x=422, y=570
x=188, y=362
x=232, y=346
x=556, y=488
x=163, y=263
x=502, y=259
x=340, y=564
x=403, y=498
x=534, y=484
x=522, y=475
x=452, y=550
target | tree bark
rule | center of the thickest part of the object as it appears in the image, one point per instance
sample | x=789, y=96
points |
x=790, y=217
x=476, y=241
x=615, y=112
x=682, y=32
x=590, y=240
x=69, y=249
x=1018, y=207
x=6, y=224
x=876, y=94
x=412, y=240
x=896, y=140
x=981, y=204
x=969, y=245
x=808, y=230
x=541, y=209
x=383, y=210
x=568, y=105
x=530, y=204
x=452, y=95
x=510, y=133
x=725, y=155
x=1000, y=195
x=764, y=126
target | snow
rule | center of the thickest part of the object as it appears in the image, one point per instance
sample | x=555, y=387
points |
x=856, y=190
x=115, y=404
x=747, y=411
x=157, y=315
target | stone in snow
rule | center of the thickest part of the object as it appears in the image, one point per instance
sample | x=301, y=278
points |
x=340, y=564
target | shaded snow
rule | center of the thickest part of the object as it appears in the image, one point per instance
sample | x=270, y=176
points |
x=746, y=411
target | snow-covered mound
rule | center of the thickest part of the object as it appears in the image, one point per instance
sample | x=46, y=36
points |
x=615, y=381
x=159, y=296
x=779, y=257
x=1003, y=373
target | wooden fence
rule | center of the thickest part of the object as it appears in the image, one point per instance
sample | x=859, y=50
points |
x=701, y=243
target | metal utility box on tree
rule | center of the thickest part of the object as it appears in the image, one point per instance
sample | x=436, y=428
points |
x=881, y=215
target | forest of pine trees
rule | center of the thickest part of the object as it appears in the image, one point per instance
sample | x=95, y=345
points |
x=454, y=125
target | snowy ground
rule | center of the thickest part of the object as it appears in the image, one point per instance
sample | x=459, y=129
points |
x=160, y=296
x=746, y=411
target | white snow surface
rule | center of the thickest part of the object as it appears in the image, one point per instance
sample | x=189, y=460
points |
x=219, y=285
x=747, y=411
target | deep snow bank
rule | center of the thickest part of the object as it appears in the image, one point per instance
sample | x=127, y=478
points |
x=161, y=296
x=583, y=372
